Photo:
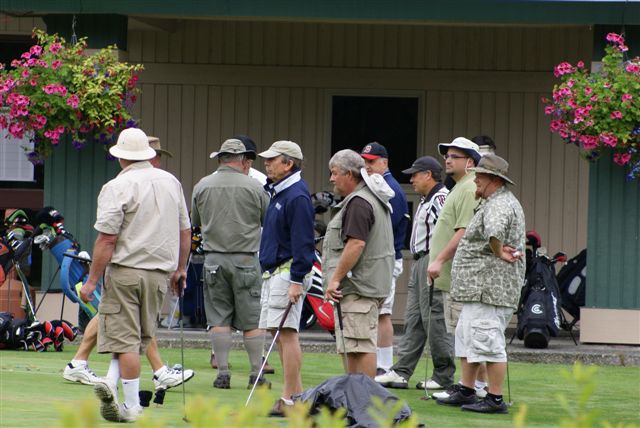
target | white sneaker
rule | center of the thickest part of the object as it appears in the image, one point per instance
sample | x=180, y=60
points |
x=130, y=415
x=431, y=384
x=82, y=373
x=107, y=393
x=391, y=379
x=443, y=395
x=171, y=377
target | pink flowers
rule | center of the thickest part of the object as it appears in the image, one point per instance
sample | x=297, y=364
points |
x=55, y=89
x=73, y=101
x=588, y=91
x=588, y=142
x=55, y=47
x=621, y=158
x=633, y=68
x=35, y=50
x=562, y=69
x=626, y=98
x=56, y=64
x=54, y=134
x=39, y=121
x=616, y=115
x=618, y=40
x=609, y=139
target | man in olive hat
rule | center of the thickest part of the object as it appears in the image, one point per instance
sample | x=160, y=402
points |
x=486, y=277
x=229, y=208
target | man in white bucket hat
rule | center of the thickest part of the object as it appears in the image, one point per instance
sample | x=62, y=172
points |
x=143, y=243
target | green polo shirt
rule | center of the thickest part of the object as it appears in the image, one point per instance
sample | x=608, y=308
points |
x=456, y=214
x=229, y=207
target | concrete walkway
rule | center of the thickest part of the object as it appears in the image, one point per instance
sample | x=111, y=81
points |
x=561, y=350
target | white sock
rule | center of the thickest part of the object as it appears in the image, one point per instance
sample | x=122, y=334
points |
x=131, y=390
x=385, y=357
x=480, y=385
x=160, y=371
x=114, y=371
x=77, y=363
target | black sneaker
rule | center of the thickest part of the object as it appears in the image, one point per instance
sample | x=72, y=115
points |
x=487, y=406
x=261, y=382
x=457, y=399
x=223, y=381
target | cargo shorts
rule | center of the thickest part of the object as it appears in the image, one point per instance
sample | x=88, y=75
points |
x=232, y=285
x=129, y=309
x=360, y=321
x=480, y=333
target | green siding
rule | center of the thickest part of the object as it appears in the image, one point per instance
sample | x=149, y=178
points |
x=100, y=30
x=494, y=11
x=613, y=261
x=73, y=179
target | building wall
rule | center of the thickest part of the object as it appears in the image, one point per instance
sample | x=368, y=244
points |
x=206, y=80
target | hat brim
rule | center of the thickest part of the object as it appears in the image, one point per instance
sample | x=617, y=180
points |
x=370, y=157
x=164, y=152
x=216, y=154
x=269, y=154
x=412, y=170
x=137, y=155
x=481, y=170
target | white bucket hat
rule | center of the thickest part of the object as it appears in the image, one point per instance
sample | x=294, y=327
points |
x=132, y=144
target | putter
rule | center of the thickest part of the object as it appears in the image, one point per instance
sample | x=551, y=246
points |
x=273, y=342
x=344, y=348
x=426, y=364
x=509, y=403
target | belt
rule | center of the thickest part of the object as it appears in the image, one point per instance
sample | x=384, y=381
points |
x=249, y=253
x=419, y=255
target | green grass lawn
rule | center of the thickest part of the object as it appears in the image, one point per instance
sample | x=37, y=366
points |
x=32, y=390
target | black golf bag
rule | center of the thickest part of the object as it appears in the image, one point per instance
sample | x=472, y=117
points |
x=572, y=280
x=539, y=310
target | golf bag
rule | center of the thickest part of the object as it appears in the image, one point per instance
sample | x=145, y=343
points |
x=74, y=264
x=34, y=336
x=572, y=280
x=539, y=310
x=314, y=308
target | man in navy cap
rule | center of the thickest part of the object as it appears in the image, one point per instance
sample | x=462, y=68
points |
x=376, y=161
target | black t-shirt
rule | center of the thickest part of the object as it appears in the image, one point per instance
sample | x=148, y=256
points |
x=357, y=219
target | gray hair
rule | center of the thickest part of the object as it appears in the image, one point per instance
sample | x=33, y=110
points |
x=347, y=161
x=230, y=157
x=297, y=163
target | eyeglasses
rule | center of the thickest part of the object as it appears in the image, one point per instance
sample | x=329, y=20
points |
x=455, y=157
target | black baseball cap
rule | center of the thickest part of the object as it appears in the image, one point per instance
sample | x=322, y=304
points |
x=249, y=145
x=374, y=151
x=425, y=163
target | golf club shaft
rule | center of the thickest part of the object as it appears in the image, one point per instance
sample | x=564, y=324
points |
x=344, y=347
x=273, y=342
x=426, y=342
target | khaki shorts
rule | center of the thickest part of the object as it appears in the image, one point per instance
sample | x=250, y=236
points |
x=360, y=320
x=451, y=312
x=387, y=305
x=480, y=333
x=232, y=286
x=274, y=301
x=129, y=309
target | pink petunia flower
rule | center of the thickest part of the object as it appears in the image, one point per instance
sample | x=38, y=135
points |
x=626, y=97
x=56, y=64
x=617, y=115
x=580, y=65
x=609, y=139
x=55, y=47
x=633, y=68
x=35, y=50
x=25, y=55
x=589, y=142
x=73, y=101
x=588, y=91
x=621, y=158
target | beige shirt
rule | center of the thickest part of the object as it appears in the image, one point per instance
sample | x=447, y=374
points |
x=145, y=207
x=229, y=207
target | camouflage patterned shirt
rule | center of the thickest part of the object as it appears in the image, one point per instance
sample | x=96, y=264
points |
x=477, y=275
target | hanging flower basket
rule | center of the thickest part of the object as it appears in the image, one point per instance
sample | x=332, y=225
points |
x=54, y=89
x=600, y=111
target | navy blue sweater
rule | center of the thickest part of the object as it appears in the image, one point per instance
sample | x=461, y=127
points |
x=288, y=230
x=399, y=218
